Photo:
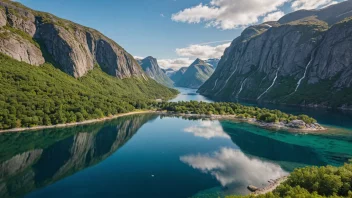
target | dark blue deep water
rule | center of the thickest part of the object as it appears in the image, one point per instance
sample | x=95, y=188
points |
x=152, y=156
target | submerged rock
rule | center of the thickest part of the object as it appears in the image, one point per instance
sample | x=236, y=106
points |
x=252, y=188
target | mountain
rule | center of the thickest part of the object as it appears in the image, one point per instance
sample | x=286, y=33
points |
x=303, y=59
x=213, y=62
x=57, y=71
x=195, y=75
x=168, y=71
x=177, y=75
x=75, y=48
x=152, y=69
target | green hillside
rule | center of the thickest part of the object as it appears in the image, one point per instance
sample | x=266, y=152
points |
x=31, y=96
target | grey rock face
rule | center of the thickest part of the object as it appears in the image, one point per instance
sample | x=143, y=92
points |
x=66, y=50
x=20, y=49
x=19, y=163
x=152, y=69
x=3, y=19
x=303, y=62
x=334, y=57
x=19, y=18
x=76, y=49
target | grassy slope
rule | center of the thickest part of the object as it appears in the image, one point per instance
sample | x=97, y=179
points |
x=45, y=95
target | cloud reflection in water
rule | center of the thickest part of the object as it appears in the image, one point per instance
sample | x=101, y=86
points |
x=207, y=130
x=234, y=170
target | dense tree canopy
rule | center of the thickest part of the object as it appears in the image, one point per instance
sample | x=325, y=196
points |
x=314, y=182
x=225, y=108
x=32, y=96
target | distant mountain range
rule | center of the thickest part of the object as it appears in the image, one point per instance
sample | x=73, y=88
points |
x=193, y=76
x=152, y=69
x=303, y=59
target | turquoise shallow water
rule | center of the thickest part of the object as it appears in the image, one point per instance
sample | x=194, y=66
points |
x=152, y=156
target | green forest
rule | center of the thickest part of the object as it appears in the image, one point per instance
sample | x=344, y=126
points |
x=314, y=182
x=227, y=108
x=32, y=96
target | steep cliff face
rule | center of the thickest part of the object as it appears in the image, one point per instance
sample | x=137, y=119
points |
x=152, y=69
x=305, y=61
x=75, y=48
x=195, y=75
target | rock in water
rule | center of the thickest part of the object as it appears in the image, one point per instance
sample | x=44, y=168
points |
x=252, y=188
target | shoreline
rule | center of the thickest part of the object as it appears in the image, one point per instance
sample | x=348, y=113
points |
x=314, y=128
x=273, y=184
x=276, y=126
x=75, y=123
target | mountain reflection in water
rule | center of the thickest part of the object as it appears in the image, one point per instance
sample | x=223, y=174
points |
x=166, y=155
x=57, y=153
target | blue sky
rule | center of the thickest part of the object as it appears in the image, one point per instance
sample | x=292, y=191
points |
x=174, y=31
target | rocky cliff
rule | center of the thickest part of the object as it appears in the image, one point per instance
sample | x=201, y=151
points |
x=303, y=59
x=195, y=75
x=152, y=69
x=27, y=35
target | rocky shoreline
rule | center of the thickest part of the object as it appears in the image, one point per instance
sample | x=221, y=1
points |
x=273, y=184
x=293, y=126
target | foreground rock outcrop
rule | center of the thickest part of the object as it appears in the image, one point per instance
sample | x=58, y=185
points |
x=303, y=59
x=26, y=35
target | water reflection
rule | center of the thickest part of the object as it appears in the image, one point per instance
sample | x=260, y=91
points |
x=59, y=153
x=207, y=130
x=187, y=94
x=234, y=170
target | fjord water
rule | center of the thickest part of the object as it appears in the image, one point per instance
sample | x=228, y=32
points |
x=154, y=156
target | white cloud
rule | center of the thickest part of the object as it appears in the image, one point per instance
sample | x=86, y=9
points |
x=138, y=57
x=202, y=51
x=189, y=54
x=207, y=130
x=162, y=15
x=228, y=14
x=274, y=16
x=234, y=169
x=311, y=4
x=175, y=64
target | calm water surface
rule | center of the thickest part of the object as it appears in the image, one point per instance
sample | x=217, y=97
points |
x=153, y=156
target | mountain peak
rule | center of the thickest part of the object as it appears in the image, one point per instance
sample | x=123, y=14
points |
x=198, y=61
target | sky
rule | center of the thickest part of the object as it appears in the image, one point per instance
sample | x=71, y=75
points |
x=176, y=32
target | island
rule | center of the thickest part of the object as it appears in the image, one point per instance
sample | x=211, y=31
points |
x=234, y=111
